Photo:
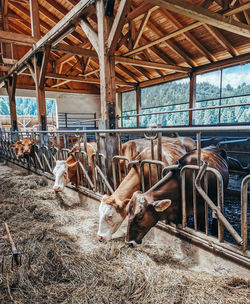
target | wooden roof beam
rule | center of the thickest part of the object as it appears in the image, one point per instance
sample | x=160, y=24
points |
x=84, y=80
x=117, y=25
x=16, y=38
x=169, y=36
x=189, y=36
x=173, y=46
x=222, y=40
x=149, y=64
x=141, y=28
x=90, y=33
x=203, y=15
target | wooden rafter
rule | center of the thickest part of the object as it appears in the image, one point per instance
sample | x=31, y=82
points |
x=117, y=26
x=151, y=65
x=141, y=28
x=189, y=36
x=162, y=39
x=90, y=33
x=222, y=40
x=16, y=38
x=203, y=15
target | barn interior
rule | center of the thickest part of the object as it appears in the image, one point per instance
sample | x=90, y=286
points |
x=120, y=71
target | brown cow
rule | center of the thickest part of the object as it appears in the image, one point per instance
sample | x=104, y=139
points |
x=112, y=210
x=65, y=171
x=24, y=147
x=163, y=202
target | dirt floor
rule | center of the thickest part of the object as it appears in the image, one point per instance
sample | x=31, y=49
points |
x=68, y=265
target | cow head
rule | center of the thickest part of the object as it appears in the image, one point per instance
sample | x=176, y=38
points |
x=143, y=215
x=18, y=146
x=61, y=175
x=111, y=216
x=28, y=145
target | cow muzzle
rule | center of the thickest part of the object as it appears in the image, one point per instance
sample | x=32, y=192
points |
x=101, y=239
x=57, y=189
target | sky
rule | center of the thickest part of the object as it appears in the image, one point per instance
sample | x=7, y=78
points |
x=234, y=76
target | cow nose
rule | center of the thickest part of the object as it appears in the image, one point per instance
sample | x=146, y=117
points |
x=101, y=239
x=57, y=189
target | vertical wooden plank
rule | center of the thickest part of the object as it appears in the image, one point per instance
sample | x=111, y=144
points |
x=11, y=89
x=107, y=63
x=34, y=16
x=40, y=95
x=138, y=105
x=192, y=93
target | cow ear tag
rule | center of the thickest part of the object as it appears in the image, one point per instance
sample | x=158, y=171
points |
x=162, y=205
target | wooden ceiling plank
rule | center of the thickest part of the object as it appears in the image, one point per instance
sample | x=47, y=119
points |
x=189, y=36
x=222, y=40
x=203, y=15
x=117, y=25
x=151, y=65
x=90, y=33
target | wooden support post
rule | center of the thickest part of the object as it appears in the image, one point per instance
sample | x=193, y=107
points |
x=11, y=89
x=192, y=93
x=34, y=16
x=107, y=63
x=138, y=105
x=40, y=94
x=107, y=82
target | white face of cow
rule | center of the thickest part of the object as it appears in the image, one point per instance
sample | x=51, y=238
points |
x=61, y=175
x=109, y=220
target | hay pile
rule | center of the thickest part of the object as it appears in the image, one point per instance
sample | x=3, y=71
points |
x=64, y=272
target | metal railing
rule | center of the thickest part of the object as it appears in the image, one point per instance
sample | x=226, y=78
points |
x=46, y=154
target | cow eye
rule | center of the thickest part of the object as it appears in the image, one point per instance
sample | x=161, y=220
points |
x=140, y=216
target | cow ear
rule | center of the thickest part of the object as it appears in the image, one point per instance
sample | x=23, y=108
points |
x=19, y=142
x=12, y=146
x=162, y=205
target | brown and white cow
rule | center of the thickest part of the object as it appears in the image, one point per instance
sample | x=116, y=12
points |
x=65, y=171
x=112, y=209
x=164, y=202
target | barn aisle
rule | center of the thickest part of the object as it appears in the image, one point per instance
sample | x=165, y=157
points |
x=68, y=265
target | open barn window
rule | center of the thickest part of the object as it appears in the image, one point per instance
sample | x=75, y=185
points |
x=229, y=86
x=129, y=108
x=26, y=108
x=168, y=96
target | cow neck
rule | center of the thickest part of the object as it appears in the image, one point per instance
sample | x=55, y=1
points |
x=128, y=186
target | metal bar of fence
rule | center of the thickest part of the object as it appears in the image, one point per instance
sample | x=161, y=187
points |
x=219, y=214
x=213, y=129
x=184, y=110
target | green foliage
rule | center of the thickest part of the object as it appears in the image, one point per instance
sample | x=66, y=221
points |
x=26, y=106
x=174, y=96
